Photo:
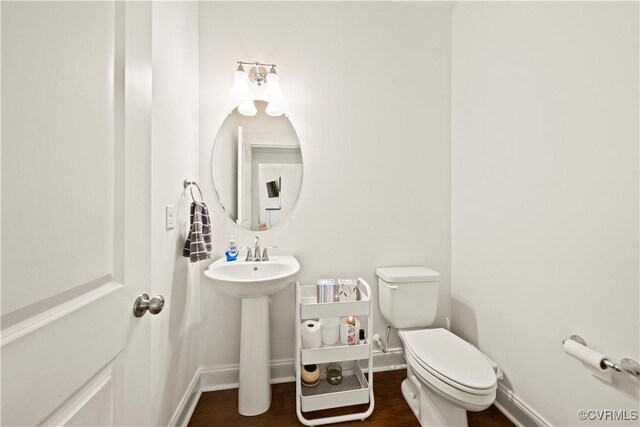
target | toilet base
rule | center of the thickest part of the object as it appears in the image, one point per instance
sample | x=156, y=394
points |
x=429, y=408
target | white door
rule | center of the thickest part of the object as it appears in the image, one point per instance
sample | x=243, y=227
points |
x=76, y=92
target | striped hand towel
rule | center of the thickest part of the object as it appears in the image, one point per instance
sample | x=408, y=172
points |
x=198, y=244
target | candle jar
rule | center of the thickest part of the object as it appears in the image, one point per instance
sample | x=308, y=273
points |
x=334, y=373
x=310, y=375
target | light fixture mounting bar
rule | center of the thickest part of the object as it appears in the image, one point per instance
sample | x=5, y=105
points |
x=258, y=71
x=256, y=63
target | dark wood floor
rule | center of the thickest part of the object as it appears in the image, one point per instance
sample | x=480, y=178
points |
x=220, y=408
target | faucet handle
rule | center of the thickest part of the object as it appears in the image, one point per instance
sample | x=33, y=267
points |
x=248, y=257
x=265, y=254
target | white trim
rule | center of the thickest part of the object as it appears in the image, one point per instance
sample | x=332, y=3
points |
x=187, y=405
x=514, y=408
x=36, y=322
x=224, y=377
x=63, y=414
x=221, y=377
x=282, y=371
x=506, y=413
x=392, y=360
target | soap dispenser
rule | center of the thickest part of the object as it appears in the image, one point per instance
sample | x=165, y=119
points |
x=232, y=250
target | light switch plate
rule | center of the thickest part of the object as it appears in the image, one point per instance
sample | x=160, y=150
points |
x=170, y=211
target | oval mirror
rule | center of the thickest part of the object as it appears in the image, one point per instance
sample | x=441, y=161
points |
x=257, y=168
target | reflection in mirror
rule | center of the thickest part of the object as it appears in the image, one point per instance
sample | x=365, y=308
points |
x=257, y=168
x=273, y=188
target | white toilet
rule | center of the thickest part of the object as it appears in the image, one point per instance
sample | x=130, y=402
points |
x=446, y=376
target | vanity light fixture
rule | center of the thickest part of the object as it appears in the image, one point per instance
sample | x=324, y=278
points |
x=272, y=92
x=259, y=76
x=240, y=88
x=247, y=108
x=273, y=109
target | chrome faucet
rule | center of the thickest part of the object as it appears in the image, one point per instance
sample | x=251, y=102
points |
x=265, y=254
x=256, y=249
x=253, y=254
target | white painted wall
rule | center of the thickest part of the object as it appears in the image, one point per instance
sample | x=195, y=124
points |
x=174, y=339
x=545, y=194
x=368, y=90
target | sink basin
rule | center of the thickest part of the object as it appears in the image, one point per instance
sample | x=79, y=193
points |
x=248, y=279
x=253, y=282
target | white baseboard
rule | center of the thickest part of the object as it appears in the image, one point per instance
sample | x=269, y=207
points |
x=188, y=403
x=225, y=377
x=392, y=360
x=517, y=410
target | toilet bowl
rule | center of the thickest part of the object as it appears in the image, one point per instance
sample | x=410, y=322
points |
x=449, y=375
x=446, y=376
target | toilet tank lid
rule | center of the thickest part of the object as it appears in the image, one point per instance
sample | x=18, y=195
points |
x=407, y=274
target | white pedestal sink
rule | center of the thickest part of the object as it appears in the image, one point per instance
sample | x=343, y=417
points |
x=254, y=282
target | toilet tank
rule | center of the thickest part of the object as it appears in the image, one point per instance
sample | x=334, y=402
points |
x=408, y=296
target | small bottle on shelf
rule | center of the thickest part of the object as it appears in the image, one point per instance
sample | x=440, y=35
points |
x=351, y=331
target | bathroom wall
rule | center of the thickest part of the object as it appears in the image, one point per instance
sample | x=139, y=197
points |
x=175, y=345
x=368, y=91
x=545, y=195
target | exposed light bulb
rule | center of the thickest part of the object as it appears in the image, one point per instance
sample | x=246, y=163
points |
x=274, y=110
x=247, y=108
x=240, y=88
x=273, y=92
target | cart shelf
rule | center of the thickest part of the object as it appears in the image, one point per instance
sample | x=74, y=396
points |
x=335, y=353
x=353, y=390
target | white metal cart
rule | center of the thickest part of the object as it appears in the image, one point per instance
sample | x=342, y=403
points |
x=354, y=388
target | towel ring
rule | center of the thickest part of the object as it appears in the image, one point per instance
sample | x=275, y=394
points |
x=189, y=184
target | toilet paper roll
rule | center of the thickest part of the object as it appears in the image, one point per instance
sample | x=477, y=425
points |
x=311, y=334
x=330, y=330
x=591, y=359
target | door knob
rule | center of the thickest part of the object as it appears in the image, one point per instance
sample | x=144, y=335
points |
x=144, y=304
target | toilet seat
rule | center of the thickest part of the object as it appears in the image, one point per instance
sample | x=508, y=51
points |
x=451, y=367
